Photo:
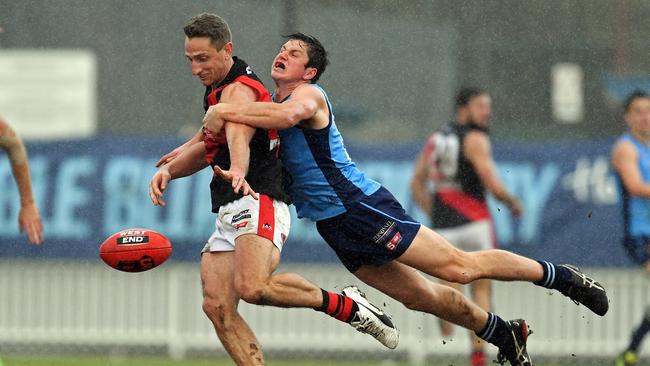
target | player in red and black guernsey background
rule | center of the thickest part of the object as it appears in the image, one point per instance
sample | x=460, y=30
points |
x=239, y=258
x=457, y=163
x=450, y=183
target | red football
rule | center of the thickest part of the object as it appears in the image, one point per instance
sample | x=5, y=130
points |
x=135, y=250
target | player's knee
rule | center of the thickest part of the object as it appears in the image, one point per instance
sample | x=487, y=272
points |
x=413, y=303
x=417, y=298
x=251, y=292
x=462, y=268
x=458, y=274
x=219, y=312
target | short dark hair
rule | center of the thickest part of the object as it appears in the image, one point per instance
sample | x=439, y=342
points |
x=637, y=94
x=211, y=26
x=466, y=94
x=316, y=53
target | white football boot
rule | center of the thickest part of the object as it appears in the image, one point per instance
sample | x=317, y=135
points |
x=371, y=320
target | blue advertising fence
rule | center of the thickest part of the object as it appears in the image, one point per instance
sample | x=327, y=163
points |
x=89, y=189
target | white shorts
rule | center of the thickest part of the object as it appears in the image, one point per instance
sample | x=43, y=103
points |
x=478, y=235
x=266, y=217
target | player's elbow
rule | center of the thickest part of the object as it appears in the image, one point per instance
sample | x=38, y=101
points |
x=291, y=118
x=294, y=113
x=637, y=190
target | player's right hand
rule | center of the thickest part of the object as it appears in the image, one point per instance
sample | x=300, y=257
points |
x=169, y=156
x=237, y=180
x=29, y=221
x=157, y=186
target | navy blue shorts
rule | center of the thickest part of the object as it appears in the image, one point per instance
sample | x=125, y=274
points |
x=374, y=231
x=638, y=247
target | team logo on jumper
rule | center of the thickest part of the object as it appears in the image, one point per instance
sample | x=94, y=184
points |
x=385, y=230
x=273, y=143
x=240, y=216
x=394, y=242
x=267, y=226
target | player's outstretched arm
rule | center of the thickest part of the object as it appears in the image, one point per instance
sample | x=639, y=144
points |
x=188, y=162
x=29, y=219
x=419, y=183
x=625, y=160
x=478, y=151
x=198, y=137
x=306, y=101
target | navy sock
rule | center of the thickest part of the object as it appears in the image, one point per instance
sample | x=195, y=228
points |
x=638, y=334
x=495, y=331
x=555, y=277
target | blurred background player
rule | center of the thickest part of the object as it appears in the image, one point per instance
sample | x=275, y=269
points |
x=631, y=162
x=29, y=220
x=240, y=257
x=368, y=228
x=457, y=163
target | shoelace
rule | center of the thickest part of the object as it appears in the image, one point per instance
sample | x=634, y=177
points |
x=589, y=282
x=367, y=325
x=586, y=281
x=502, y=358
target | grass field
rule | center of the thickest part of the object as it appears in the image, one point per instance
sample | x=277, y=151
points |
x=89, y=361
x=95, y=361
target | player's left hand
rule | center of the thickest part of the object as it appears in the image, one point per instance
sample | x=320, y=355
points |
x=238, y=181
x=158, y=184
x=29, y=221
x=212, y=120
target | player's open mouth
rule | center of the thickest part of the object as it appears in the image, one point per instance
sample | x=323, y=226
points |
x=279, y=65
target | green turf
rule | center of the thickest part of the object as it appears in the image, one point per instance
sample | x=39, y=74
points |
x=92, y=361
x=96, y=361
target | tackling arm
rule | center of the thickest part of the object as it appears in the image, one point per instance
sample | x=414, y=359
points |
x=306, y=101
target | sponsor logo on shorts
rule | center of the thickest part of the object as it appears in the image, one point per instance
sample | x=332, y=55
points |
x=394, y=242
x=240, y=216
x=385, y=230
x=240, y=225
x=133, y=240
x=267, y=226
